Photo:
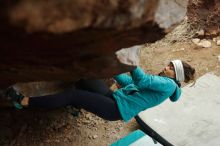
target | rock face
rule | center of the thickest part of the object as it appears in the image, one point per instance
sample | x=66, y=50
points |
x=170, y=12
x=205, y=14
x=68, y=15
x=130, y=55
x=46, y=57
x=49, y=53
x=65, y=16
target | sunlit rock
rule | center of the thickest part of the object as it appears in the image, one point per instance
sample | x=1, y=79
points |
x=202, y=43
x=129, y=56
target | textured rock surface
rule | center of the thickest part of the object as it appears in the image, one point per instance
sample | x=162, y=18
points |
x=205, y=14
x=67, y=15
x=170, y=12
x=67, y=57
x=80, y=53
x=41, y=56
x=130, y=55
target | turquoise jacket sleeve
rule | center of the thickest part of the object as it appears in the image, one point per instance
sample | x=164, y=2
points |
x=147, y=81
x=123, y=79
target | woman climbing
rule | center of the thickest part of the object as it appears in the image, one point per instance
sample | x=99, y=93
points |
x=137, y=92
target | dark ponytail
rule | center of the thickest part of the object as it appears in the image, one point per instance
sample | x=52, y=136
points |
x=189, y=72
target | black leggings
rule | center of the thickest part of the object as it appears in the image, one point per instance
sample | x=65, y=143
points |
x=91, y=95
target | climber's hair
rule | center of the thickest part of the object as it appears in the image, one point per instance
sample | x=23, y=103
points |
x=189, y=72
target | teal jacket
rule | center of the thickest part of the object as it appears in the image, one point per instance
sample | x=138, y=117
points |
x=141, y=91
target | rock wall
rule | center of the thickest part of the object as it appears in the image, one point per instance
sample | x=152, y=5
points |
x=27, y=57
x=170, y=12
x=64, y=16
x=80, y=53
x=68, y=15
x=73, y=55
x=205, y=15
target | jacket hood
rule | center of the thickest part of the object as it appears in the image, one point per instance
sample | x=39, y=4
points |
x=176, y=95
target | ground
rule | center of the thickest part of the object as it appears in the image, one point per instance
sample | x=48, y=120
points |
x=63, y=127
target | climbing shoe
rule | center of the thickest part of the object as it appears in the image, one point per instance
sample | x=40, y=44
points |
x=15, y=96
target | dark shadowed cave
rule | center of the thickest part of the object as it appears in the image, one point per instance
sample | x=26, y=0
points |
x=84, y=53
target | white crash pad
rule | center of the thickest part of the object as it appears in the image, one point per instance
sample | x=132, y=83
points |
x=194, y=120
